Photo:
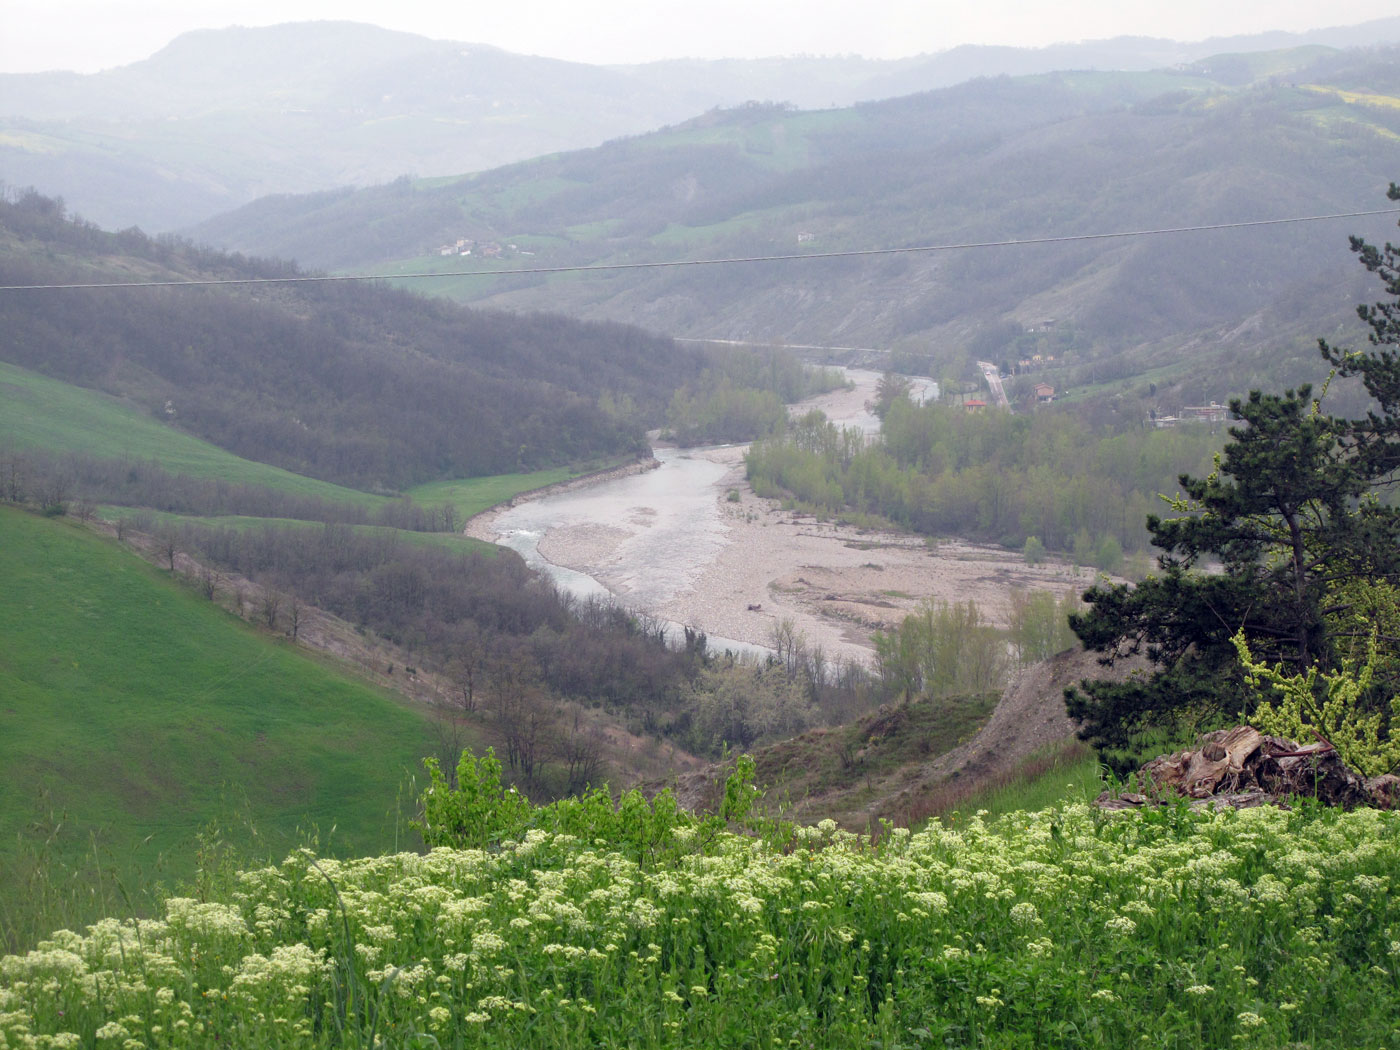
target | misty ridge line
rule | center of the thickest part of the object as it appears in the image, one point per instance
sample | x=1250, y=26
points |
x=675, y=263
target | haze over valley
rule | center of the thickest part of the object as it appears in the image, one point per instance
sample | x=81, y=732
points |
x=892, y=545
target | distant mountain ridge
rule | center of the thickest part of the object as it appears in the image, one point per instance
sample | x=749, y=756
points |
x=221, y=117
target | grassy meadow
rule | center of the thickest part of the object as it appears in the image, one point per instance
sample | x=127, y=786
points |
x=453, y=541
x=135, y=715
x=471, y=496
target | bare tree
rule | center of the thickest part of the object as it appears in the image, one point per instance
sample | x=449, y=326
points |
x=168, y=544
x=53, y=490
x=467, y=668
x=522, y=710
x=451, y=729
x=648, y=625
x=580, y=748
x=790, y=644
x=295, y=611
x=13, y=473
x=816, y=670
x=208, y=582
x=269, y=605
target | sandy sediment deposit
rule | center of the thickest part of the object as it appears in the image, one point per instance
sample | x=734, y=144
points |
x=836, y=583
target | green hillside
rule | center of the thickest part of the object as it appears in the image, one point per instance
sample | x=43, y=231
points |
x=134, y=713
x=43, y=413
x=1233, y=139
x=362, y=386
x=220, y=117
x=38, y=413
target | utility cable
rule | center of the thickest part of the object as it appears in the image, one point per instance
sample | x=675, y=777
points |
x=733, y=260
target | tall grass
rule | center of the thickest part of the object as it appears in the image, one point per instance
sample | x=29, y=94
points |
x=1061, y=773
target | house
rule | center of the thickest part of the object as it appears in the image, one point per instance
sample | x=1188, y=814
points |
x=1212, y=413
x=974, y=405
x=1044, y=392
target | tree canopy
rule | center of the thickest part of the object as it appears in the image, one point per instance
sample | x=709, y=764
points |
x=1290, y=544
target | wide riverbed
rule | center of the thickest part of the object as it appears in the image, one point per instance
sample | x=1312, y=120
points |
x=674, y=543
x=645, y=538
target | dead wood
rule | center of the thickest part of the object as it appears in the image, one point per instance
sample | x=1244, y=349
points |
x=1241, y=768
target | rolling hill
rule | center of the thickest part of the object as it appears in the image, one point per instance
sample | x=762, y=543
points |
x=362, y=386
x=220, y=117
x=136, y=715
x=1232, y=139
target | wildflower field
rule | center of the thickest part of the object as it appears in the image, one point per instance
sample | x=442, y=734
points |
x=1067, y=928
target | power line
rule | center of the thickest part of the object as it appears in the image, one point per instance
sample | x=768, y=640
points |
x=732, y=260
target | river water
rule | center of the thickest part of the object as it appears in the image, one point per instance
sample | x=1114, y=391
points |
x=672, y=514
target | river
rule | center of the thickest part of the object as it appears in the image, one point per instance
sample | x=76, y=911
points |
x=648, y=537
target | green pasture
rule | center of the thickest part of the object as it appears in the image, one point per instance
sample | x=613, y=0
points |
x=134, y=714
x=471, y=496
x=446, y=540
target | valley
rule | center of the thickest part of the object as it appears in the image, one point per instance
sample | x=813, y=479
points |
x=516, y=551
x=691, y=543
x=1023, y=172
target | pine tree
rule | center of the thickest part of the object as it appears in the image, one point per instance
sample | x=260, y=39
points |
x=1275, y=544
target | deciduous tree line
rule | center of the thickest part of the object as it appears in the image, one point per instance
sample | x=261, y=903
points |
x=56, y=480
x=939, y=470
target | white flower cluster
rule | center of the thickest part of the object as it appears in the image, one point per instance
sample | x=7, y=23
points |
x=555, y=941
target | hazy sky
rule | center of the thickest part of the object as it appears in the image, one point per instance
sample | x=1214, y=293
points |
x=87, y=35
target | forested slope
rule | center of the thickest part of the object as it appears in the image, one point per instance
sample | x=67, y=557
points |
x=357, y=384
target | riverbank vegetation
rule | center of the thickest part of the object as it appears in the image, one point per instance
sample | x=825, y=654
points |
x=743, y=395
x=940, y=470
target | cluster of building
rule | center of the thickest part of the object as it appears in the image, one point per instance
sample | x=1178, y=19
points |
x=465, y=246
x=1214, y=414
